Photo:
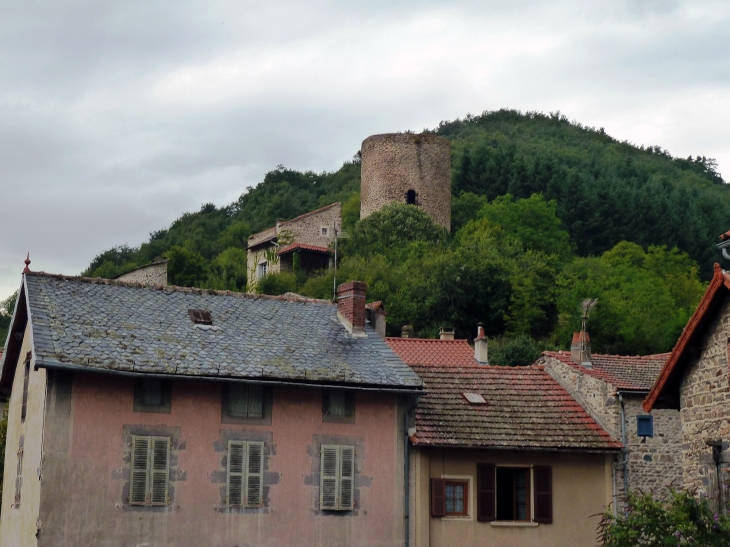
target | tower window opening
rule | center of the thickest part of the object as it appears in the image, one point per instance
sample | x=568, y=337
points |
x=411, y=197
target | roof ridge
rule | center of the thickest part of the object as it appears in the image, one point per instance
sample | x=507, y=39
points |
x=287, y=297
x=311, y=212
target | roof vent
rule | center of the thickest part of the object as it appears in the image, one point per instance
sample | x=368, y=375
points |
x=201, y=317
x=474, y=398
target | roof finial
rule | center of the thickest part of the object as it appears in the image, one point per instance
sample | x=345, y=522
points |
x=27, y=263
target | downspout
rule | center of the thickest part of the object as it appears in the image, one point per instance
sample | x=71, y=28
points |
x=407, y=476
x=623, y=442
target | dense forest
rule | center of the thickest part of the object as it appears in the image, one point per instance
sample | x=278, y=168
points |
x=545, y=213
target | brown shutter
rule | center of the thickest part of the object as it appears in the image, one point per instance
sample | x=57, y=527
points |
x=347, y=477
x=543, y=494
x=140, y=462
x=236, y=456
x=438, y=497
x=486, y=506
x=254, y=473
x=160, y=469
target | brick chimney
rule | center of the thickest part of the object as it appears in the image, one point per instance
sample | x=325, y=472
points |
x=446, y=334
x=578, y=353
x=351, y=306
x=481, y=346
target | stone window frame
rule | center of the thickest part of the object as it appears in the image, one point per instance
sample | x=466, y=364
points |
x=219, y=476
x=175, y=474
x=268, y=408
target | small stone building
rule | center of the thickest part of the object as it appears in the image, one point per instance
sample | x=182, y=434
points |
x=612, y=388
x=309, y=236
x=154, y=273
x=696, y=382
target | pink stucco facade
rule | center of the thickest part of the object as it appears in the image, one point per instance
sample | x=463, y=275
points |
x=90, y=419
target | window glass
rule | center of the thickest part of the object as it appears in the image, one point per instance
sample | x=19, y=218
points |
x=455, y=498
x=152, y=391
x=262, y=270
x=338, y=406
x=513, y=493
x=245, y=400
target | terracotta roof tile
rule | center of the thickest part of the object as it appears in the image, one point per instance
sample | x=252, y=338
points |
x=303, y=247
x=526, y=409
x=432, y=352
x=624, y=372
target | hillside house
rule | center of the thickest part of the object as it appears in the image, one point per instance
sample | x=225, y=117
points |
x=308, y=236
x=695, y=381
x=500, y=456
x=611, y=388
x=147, y=415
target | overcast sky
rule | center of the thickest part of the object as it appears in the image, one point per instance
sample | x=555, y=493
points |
x=116, y=117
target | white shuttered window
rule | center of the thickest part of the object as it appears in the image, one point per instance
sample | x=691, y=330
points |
x=244, y=487
x=150, y=471
x=337, y=477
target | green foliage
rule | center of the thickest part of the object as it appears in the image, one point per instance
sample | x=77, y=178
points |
x=277, y=283
x=644, y=298
x=513, y=351
x=7, y=307
x=185, y=268
x=228, y=271
x=680, y=520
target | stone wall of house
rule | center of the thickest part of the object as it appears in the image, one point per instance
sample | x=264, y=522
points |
x=154, y=273
x=705, y=404
x=653, y=463
x=394, y=163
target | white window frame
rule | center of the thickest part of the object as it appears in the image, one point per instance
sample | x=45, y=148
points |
x=262, y=269
x=470, y=497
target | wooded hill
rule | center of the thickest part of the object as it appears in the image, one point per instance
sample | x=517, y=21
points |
x=541, y=207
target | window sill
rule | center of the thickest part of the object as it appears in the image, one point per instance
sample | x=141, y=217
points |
x=514, y=524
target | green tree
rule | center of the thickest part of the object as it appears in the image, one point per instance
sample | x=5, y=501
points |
x=513, y=351
x=7, y=307
x=228, y=271
x=277, y=283
x=185, y=268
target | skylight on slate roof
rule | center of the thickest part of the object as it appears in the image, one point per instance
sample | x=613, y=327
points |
x=201, y=317
x=474, y=398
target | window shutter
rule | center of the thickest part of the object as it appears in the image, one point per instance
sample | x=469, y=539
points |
x=486, y=506
x=255, y=401
x=254, y=473
x=328, y=483
x=347, y=477
x=438, y=497
x=160, y=469
x=140, y=461
x=236, y=457
x=543, y=494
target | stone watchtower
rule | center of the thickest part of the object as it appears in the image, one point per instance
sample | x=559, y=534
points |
x=407, y=168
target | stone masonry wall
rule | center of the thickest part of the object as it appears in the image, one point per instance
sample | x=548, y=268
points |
x=654, y=463
x=705, y=404
x=152, y=274
x=394, y=163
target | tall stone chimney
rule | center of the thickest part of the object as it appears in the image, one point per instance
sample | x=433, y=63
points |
x=580, y=353
x=351, y=306
x=480, y=346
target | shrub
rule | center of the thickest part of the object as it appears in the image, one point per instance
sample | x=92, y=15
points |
x=277, y=283
x=513, y=351
x=679, y=519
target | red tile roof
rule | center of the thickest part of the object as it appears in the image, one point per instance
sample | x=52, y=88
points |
x=624, y=372
x=431, y=352
x=526, y=409
x=304, y=247
x=664, y=393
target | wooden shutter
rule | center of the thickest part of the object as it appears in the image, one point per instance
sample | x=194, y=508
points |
x=486, y=506
x=438, y=497
x=139, y=471
x=328, y=477
x=254, y=473
x=160, y=470
x=236, y=457
x=255, y=401
x=543, y=494
x=347, y=477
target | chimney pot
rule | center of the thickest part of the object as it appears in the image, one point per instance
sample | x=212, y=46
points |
x=351, y=305
x=578, y=353
x=407, y=332
x=446, y=334
x=481, y=346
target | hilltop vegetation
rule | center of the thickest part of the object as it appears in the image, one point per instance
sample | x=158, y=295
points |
x=545, y=213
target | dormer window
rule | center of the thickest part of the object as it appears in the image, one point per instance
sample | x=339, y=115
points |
x=200, y=317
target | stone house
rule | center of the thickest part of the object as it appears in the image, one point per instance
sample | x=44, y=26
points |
x=695, y=382
x=153, y=273
x=150, y=415
x=611, y=388
x=308, y=236
x=500, y=456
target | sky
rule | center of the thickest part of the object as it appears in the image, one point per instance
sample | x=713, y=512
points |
x=117, y=117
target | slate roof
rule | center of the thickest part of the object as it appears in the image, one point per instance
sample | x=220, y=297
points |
x=426, y=351
x=127, y=327
x=526, y=409
x=304, y=247
x=626, y=373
